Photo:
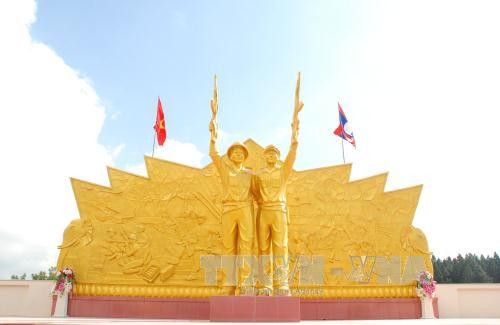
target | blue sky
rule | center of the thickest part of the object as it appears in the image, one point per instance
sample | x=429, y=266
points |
x=133, y=53
x=418, y=81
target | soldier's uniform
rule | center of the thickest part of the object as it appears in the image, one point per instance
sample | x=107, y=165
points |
x=272, y=222
x=238, y=226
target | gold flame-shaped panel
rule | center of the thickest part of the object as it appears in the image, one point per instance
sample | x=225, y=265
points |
x=144, y=236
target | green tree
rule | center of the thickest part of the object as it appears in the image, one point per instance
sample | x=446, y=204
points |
x=479, y=275
x=18, y=277
x=495, y=268
x=457, y=269
x=467, y=275
x=42, y=275
x=438, y=269
x=50, y=274
x=468, y=269
x=491, y=266
x=447, y=269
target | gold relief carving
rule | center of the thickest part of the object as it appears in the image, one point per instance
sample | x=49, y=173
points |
x=388, y=269
x=148, y=236
x=362, y=268
x=412, y=265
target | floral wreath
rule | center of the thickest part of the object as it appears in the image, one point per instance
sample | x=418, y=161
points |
x=426, y=286
x=64, y=282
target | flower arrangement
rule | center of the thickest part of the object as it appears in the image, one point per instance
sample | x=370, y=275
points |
x=64, y=282
x=425, y=285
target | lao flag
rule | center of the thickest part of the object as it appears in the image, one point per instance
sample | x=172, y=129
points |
x=161, y=132
x=343, y=130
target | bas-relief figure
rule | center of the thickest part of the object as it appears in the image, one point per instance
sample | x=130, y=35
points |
x=146, y=236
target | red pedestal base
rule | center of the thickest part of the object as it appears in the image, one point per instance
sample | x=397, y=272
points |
x=137, y=307
x=246, y=308
x=368, y=308
x=254, y=309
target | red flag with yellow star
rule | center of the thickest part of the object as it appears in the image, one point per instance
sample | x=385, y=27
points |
x=161, y=131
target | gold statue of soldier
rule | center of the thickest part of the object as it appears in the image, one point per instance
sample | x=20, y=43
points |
x=268, y=188
x=238, y=222
x=272, y=219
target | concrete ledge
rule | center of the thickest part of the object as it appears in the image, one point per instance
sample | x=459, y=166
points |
x=25, y=298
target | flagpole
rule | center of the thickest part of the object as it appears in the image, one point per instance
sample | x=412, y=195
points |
x=154, y=143
x=343, y=156
x=155, y=134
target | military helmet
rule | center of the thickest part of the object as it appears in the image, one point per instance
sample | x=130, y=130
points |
x=235, y=145
x=272, y=148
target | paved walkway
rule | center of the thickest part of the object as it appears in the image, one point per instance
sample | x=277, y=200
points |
x=117, y=321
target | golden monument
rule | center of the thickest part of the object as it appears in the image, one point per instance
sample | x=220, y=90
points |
x=176, y=232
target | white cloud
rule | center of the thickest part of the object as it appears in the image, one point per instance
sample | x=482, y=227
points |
x=172, y=150
x=181, y=152
x=225, y=139
x=420, y=89
x=116, y=115
x=139, y=169
x=423, y=96
x=50, y=119
x=115, y=152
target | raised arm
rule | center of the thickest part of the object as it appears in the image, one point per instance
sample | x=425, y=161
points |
x=212, y=127
x=214, y=154
x=292, y=152
x=290, y=159
x=214, y=105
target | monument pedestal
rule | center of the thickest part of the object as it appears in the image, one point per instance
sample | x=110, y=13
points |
x=247, y=308
x=427, y=307
x=139, y=307
x=61, y=308
x=360, y=308
x=254, y=309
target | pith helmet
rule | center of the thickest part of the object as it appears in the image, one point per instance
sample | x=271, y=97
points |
x=272, y=148
x=240, y=145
